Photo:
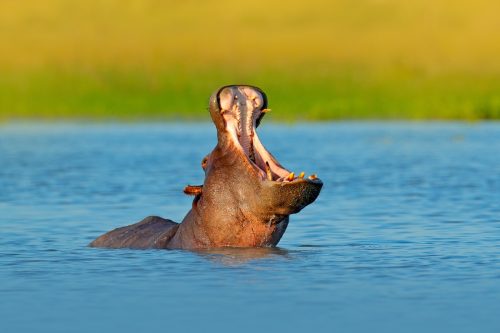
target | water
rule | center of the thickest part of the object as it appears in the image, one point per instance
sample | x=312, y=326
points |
x=405, y=235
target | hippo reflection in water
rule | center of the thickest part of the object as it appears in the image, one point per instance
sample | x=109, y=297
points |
x=247, y=194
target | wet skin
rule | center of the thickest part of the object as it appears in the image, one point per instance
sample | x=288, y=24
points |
x=247, y=196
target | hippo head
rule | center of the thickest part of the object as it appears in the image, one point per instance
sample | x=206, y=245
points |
x=247, y=194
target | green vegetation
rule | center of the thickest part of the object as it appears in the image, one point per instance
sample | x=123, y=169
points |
x=317, y=60
x=297, y=96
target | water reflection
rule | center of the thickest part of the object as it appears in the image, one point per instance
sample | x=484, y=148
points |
x=235, y=256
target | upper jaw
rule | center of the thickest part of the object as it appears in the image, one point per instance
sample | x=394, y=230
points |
x=237, y=111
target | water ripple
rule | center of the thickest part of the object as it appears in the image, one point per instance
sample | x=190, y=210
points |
x=405, y=233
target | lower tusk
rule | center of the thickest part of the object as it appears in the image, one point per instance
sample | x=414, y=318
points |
x=268, y=171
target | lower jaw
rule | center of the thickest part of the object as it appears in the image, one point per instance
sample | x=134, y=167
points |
x=266, y=166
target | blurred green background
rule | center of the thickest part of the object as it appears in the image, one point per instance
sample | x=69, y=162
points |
x=317, y=60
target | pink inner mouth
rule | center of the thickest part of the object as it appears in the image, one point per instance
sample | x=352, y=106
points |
x=241, y=106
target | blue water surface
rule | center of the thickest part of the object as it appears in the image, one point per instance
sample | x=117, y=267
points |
x=405, y=236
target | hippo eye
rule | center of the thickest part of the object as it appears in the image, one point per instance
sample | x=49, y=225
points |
x=204, y=162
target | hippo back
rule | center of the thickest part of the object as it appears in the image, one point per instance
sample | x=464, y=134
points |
x=152, y=232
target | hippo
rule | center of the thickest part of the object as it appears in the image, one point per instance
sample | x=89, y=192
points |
x=247, y=195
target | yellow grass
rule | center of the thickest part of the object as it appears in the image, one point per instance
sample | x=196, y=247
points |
x=305, y=40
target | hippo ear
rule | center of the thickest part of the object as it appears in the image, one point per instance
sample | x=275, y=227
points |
x=290, y=198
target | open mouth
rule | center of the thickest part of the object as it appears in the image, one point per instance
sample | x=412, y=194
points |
x=242, y=108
